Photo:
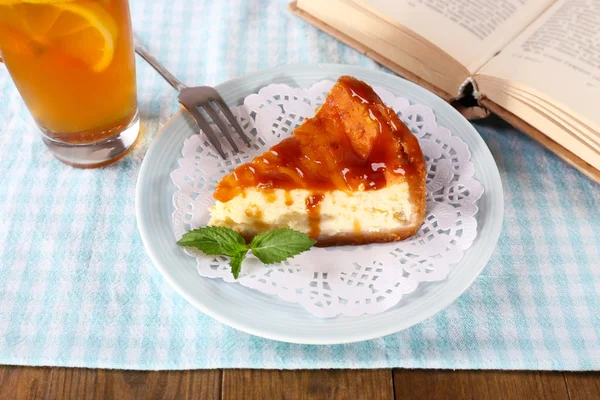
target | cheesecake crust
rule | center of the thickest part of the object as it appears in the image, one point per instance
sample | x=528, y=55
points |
x=353, y=239
x=356, y=239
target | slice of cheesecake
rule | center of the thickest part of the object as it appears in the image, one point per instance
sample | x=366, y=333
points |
x=352, y=174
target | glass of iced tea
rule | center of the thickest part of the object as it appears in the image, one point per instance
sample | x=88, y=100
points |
x=73, y=63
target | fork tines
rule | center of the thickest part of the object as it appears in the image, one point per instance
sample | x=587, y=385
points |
x=195, y=97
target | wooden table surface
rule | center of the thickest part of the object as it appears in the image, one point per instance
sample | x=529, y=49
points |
x=72, y=383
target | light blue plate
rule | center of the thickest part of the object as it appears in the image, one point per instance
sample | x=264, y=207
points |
x=268, y=316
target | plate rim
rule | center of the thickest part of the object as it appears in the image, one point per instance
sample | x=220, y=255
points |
x=351, y=337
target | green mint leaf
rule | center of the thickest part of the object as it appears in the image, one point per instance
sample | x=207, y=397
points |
x=236, y=263
x=279, y=245
x=215, y=240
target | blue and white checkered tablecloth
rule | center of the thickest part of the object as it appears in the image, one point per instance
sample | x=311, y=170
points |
x=77, y=289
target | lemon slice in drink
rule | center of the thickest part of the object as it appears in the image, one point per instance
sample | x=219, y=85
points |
x=81, y=29
x=95, y=39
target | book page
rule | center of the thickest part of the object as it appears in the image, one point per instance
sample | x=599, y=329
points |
x=559, y=57
x=380, y=39
x=566, y=121
x=471, y=31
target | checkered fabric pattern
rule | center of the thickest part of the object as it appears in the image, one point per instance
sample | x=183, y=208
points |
x=77, y=289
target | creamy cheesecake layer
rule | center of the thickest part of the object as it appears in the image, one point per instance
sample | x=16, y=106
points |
x=382, y=210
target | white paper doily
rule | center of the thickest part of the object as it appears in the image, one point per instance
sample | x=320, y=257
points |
x=349, y=280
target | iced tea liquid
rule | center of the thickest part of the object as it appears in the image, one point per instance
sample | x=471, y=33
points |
x=73, y=63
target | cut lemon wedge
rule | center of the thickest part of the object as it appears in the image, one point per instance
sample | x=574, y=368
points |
x=81, y=29
x=87, y=31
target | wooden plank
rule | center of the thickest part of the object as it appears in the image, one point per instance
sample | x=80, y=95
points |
x=71, y=383
x=526, y=385
x=24, y=382
x=583, y=385
x=423, y=384
x=68, y=383
x=300, y=385
x=430, y=384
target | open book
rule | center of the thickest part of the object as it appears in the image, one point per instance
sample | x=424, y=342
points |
x=536, y=63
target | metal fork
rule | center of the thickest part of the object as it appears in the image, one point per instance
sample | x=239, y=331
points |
x=194, y=98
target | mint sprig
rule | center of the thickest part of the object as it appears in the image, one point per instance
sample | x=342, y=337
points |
x=269, y=247
x=279, y=245
x=236, y=263
x=214, y=240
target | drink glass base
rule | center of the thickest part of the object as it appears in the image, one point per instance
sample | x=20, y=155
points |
x=98, y=154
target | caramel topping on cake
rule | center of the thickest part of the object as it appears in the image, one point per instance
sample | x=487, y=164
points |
x=353, y=143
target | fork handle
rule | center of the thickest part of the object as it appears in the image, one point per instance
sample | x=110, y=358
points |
x=169, y=77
